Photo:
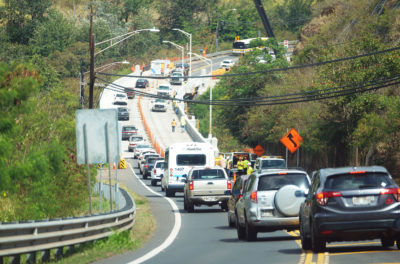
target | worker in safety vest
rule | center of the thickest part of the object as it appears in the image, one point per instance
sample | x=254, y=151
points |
x=173, y=124
x=246, y=163
x=249, y=170
x=240, y=165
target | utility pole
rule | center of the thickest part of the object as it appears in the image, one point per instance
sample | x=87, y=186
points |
x=91, y=48
x=82, y=86
x=216, y=35
x=265, y=21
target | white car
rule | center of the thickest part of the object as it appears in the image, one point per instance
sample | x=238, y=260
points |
x=157, y=172
x=120, y=99
x=138, y=149
x=227, y=64
x=159, y=105
x=164, y=90
x=135, y=140
x=176, y=78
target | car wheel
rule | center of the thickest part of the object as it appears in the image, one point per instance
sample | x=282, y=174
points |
x=317, y=244
x=251, y=233
x=144, y=176
x=224, y=206
x=168, y=193
x=241, y=232
x=153, y=182
x=184, y=204
x=230, y=222
x=305, y=241
x=387, y=242
x=162, y=188
x=189, y=207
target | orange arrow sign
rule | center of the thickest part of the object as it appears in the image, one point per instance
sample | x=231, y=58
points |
x=292, y=140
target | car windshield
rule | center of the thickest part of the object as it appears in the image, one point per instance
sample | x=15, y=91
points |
x=358, y=181
x=141, y=80
x=273, y=164
x=208, y=174
x=163, y=88
x=276, y=181
x=128, y=128
x=191, y=160
x=135, y=139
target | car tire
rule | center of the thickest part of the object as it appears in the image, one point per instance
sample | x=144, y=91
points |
x=162, y=188
x=169, y=193
x=230, y=222
x=144, y=176
x=189, y=207
x=387, y=242
x=153, y=182
x=305, y=241
x=317, y=244
x=184, y=204
x=241, y=231
x=224, y=206
x=251, y=233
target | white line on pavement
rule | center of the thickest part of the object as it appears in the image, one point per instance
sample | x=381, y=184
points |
x=172, y=235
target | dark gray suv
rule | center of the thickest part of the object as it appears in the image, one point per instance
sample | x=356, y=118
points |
x=351, y=203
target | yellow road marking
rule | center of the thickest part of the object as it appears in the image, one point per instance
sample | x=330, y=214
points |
x=320, y=258
x=309, y=256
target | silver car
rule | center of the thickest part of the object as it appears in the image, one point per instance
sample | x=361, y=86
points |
x=269, y=202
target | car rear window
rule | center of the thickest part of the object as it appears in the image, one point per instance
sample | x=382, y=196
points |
x=135, y=139
x=208, y=174
x=160, y=165
x=358, y=181
x=276, y=181
x=130, y=128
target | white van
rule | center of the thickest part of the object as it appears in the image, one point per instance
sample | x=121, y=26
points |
x=179, y=159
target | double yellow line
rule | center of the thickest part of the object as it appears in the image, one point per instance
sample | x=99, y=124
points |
x=307, y=256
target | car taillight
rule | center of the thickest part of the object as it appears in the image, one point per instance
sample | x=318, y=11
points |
x=253, y=196
x=394, y=191
x=191, y=186
x=146, y=166
x=155, y=171
x=229, y=184
x=322, y=198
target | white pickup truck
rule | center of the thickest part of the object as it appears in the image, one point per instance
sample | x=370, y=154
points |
x=206, y=186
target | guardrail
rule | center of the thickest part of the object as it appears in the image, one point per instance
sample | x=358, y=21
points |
x=31, y=236
x=190, y=129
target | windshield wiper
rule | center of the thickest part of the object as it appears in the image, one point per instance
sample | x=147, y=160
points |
x=366, y=186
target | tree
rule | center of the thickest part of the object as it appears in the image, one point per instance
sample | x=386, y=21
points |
x=21, y=18
x=55, y=33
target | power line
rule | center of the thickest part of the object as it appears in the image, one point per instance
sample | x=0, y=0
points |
x=296, y=67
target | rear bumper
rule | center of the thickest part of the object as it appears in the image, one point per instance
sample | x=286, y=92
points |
x=209, y=199
x=175, y=187
x=274, y=223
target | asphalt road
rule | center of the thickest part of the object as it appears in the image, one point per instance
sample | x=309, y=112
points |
x=204, y=236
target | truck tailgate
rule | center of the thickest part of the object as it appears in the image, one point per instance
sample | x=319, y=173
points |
x=209, y=187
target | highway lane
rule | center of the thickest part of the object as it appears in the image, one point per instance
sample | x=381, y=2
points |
x=204, y=235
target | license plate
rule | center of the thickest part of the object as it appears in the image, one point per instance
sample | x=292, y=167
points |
x=363, y=200
x=266, y=214
x=209, y=198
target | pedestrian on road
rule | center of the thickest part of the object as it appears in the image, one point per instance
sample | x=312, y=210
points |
x=239, y=165
x=173, y=125
x=183, y=123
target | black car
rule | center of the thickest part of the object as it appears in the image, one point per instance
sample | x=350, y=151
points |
x=351, y=203
x=128, y=131
x=236, y=194
x=142, y=83
x=123, y=113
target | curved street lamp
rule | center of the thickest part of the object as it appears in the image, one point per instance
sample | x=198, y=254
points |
x=178, y=47
x=190, y=47
x=209, y=62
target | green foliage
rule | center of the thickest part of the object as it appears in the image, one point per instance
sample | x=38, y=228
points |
x=293, y=14
x=55, y=33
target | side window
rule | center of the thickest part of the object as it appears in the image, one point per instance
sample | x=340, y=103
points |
x=314, y=184
x=238, y=185
x=195, y=174
x=249, y=183
x=257, y=164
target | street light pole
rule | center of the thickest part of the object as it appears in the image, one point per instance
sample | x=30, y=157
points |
x=190, y=47
x=178, y=47
x=209, y=62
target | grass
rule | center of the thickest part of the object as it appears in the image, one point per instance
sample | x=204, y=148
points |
x=119, y=242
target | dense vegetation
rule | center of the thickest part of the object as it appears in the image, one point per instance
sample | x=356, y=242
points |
x=361, y=128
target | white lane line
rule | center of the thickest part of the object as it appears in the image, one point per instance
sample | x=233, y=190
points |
x=171, y=237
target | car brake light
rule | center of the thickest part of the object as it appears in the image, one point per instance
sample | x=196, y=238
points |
x=357, y=172
x=191, y=186
x=394, y=191
x=253, y=196
x=229, y=184
x=146, y=166
x=322, y=198
x=154, y=171
x=282, y=173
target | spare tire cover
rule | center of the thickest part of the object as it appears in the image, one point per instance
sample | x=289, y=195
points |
x=286, y=202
